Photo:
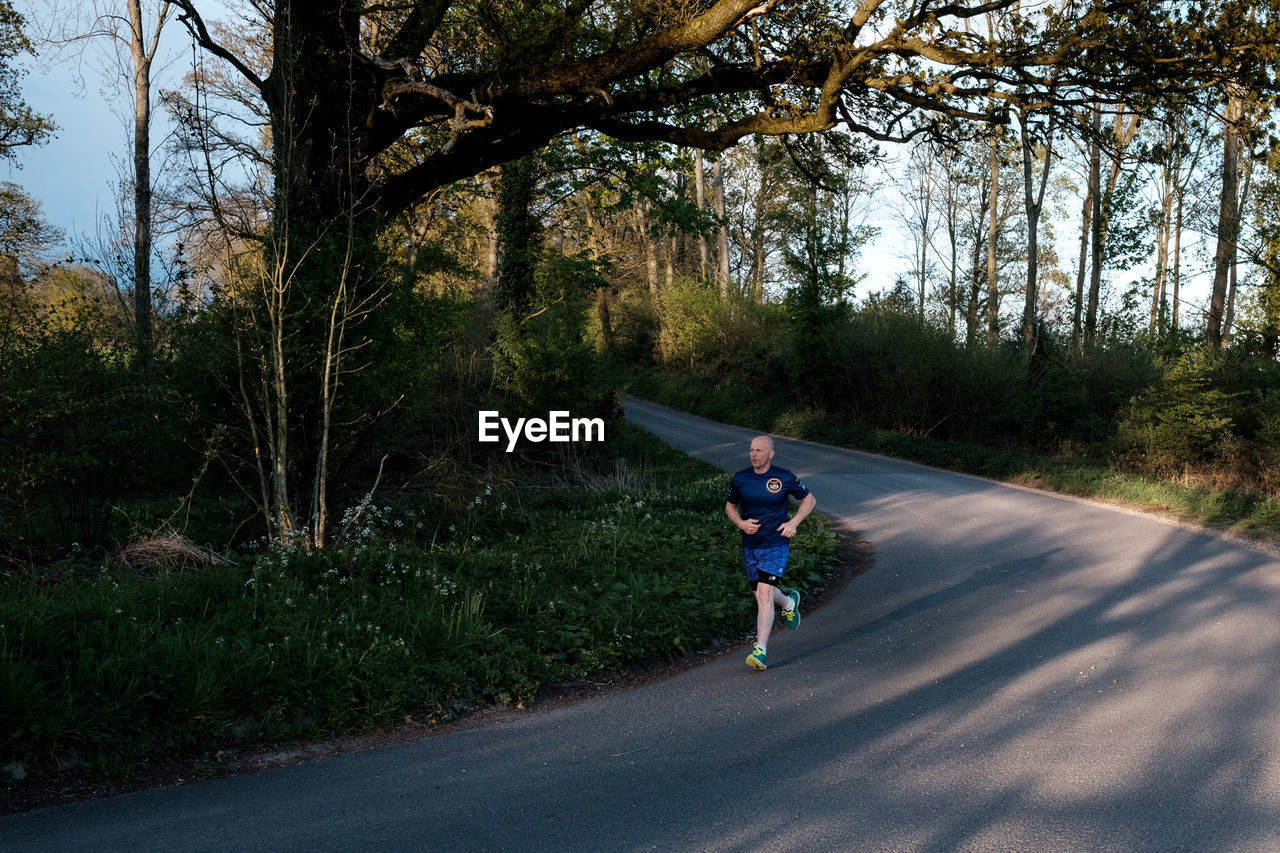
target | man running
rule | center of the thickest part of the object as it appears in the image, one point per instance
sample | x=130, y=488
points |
x=757, y=506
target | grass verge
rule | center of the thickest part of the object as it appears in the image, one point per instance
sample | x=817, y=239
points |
x=106, y=667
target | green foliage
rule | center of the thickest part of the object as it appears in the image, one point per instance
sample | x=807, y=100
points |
x=539, y=585
x=545, y=359
x=1073, y=399
x=1178, y=421
x=19, y=124
x=890, y=380
x=79, y=431
x=896, y=372
x=700, y=327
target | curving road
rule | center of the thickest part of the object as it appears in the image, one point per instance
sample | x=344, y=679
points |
x=1018, y=672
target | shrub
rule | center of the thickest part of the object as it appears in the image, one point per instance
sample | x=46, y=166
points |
x=700, y=327
x=80, y=431
x=1178, y=421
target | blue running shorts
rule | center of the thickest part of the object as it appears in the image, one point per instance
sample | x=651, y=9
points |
x=767, y=564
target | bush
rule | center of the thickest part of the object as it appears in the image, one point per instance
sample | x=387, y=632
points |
x=700, y=327
x=81, y=430
x=1178, y=421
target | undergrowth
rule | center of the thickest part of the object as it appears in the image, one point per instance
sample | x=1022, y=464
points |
x=111, y=664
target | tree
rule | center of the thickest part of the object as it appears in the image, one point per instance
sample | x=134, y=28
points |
x=1261, y=314
x=1033, y=203
x=25, y=240
x=916, y=214
x=126, y=26
x=1231, y=202
x=20, y=126
x=1115, y=143
x=481, y=86
x=1176, y=150
x=951, y=198
x=474, y=86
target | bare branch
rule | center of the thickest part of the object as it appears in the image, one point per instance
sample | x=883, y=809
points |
x=196, y=26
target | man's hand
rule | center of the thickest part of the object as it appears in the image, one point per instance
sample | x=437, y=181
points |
x=750, y=525
x=788, y=528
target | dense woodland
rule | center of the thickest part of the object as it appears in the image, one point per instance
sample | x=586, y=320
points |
x=375, y=219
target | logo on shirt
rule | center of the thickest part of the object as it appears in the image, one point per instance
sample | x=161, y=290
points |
x=774, y=485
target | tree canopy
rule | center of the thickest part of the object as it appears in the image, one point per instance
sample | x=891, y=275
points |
x=475, y=84
x=20, y=126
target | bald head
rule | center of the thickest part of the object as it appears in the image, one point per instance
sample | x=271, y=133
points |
x=761, y=453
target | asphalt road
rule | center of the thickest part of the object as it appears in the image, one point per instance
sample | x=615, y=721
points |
x=1018, y=672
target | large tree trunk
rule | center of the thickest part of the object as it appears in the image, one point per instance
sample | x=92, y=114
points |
x=322, y=268
x=517, y=237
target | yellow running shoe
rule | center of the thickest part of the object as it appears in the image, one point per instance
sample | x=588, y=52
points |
x=755, y=660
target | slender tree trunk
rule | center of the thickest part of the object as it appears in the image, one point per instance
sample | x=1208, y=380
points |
x=1164, y=233
x=596, y=250
x=1086, y=229
x=1096, y=231
x=489, y=211
x=676, y=251
x=699, y=199
x=922, y=268
x=650, y=250
x=722, y=228
x=1033, y=201
x=143, y=54
x=952, y=218
x=758, y=235
x=976, y=276
x=993, y=238
x=1177, y=261
x=1228, y=321
x=952, y=285
x=330, y=376
x=1228, y=220
x=673, y=249
x=1162, y=261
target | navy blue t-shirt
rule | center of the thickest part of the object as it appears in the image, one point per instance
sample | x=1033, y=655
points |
x=764, y=498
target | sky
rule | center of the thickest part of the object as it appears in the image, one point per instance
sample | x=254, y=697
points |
x=75, y=175
x=72, y=176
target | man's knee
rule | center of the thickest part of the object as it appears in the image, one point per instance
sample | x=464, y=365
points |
x=764, y=589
